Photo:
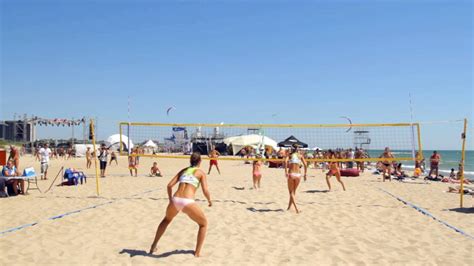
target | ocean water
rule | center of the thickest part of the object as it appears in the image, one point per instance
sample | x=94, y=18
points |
x=449, y=159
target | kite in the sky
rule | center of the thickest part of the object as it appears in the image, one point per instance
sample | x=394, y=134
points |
x=169, y=110
x=350, y=122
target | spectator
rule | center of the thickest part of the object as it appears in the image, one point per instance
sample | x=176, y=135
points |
x=10, y=171
x=434, y=163
x=104, y=153
x=44, y=153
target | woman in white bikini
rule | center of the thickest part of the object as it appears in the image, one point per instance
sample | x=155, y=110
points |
x=189, y=180
x=293, y=173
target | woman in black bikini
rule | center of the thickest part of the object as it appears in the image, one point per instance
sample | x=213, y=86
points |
x=387, y=164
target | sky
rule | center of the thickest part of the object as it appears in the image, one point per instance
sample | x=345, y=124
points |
x=240, y=62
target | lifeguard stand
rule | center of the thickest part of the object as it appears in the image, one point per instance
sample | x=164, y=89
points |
x=253, y=131
x=361, y=138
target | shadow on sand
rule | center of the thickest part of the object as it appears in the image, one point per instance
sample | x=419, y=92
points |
x=461, y=210
x=252, y=209
x=134, y=252
x=316, y=191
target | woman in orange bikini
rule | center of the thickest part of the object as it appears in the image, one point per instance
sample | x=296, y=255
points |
x=333, y=170
x=293, y=173
x=189, y=179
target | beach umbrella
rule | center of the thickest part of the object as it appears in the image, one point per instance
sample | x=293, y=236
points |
x=290, y=141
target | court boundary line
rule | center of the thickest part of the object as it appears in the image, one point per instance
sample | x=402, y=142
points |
x=427, y=213
x=56, y=217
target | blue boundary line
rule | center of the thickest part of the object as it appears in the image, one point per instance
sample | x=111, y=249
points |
x=56, y=217
x=425, y=212
x=11, y=230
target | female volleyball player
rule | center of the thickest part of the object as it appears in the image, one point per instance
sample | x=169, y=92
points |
x=257, y=172
x=293, y=173
x=333, y=170
x=189, y=180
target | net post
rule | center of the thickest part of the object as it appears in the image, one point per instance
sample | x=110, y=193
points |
x=420, y=149
x=463, y=154
x=120, y=133
x=95, y=157
x=128, y=138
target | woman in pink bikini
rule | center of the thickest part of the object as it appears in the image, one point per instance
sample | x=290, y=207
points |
x=257, y=172
x=189, y=180
x=293, y=173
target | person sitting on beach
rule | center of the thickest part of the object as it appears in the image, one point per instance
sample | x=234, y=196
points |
x=455, y=178
x=293, y=173
x=214, y=154
x=334, y=171
x=154, y=170
x=399, y=173
x=435, y=159
x=387, y=163
x=457, y=189
x=189, y=180
x=132, y=163
x=242, y=152
x=257, y=172
x=9, y=171
x=452, y=175
x=113, y=157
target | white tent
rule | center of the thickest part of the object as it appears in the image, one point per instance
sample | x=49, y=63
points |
x=254, y=140
x=113, y=142
x=150, y=143
x=81, y=149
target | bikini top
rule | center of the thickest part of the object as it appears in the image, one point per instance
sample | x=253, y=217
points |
x=295, y=158
x=189, y=178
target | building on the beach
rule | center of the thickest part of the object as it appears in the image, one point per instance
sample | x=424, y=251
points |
x=17, y=130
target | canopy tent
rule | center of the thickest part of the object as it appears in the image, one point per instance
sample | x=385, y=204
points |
x=113, y=142
x=150, y=143
x=253, y=140
x=290, y=141
x=81, y=149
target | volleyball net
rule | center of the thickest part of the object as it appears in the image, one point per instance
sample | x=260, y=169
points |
x=245, y=141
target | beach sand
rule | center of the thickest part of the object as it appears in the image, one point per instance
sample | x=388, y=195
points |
x=363, y=225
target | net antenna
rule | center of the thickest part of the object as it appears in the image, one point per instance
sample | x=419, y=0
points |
x=412, y=127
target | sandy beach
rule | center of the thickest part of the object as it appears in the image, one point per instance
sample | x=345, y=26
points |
x=363, y=225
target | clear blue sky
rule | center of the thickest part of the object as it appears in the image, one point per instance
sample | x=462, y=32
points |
x=240, y=62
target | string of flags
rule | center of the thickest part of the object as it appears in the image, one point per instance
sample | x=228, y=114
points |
x=57, y=121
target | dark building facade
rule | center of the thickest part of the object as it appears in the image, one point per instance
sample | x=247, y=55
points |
x=17, y=131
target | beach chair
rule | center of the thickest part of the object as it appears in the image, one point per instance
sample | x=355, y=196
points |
x=29, y=175
x=74, y=177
